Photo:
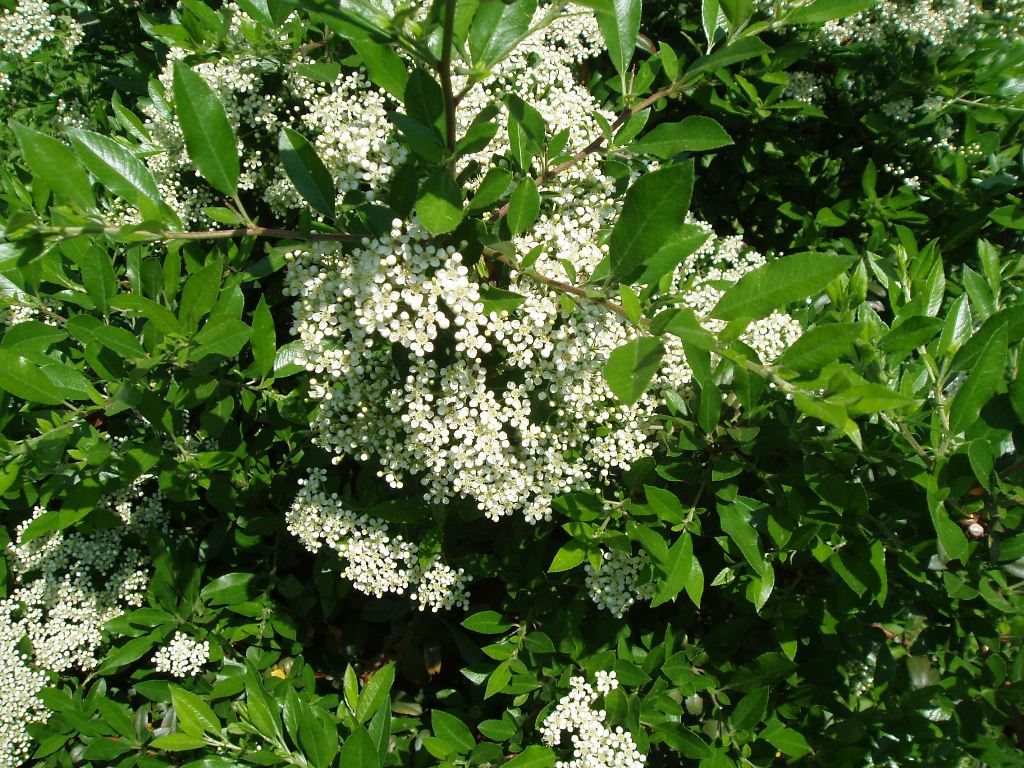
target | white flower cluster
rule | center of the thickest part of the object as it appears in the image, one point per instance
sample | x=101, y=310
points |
x=375, y=562
x=934, y=23
x=182, y=656
x=507, y=407
x=15, y=313
x=615, y=585
x=594, y=744
x=903, y=173
x=70, y=585
x=346, y=120
x=30, y=25
x=805, y=87
x=352, y=135
x=899, y=110
x=441, y=588
x=67, y=586
x=20, y=684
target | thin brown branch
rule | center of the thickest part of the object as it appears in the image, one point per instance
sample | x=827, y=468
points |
x=558, y=285
x=213, y=234
x=597, y=144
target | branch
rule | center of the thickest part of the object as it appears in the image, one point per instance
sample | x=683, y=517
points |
x=213, y=234
x=558, y=285
x=597, y=144
x=445, y=71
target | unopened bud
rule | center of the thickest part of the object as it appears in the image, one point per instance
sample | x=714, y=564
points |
x=975, y=530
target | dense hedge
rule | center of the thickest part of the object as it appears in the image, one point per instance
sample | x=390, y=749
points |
x=479, y=383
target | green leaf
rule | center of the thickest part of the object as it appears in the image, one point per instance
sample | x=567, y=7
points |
x=224, y=336
x=694, y=134
x=913, y=332
x=652, y=215
x=524, y=206
x=177, y=742
x=487, y=623
x=820, y=346
x=682, y=571
x=120, y=171
x=958, y=327
x=786, y=740
x=263, y=711
x=680, y=245
x=87, y=328
x=983, y=381
x=979, y=454
x=307, y=171
x=452, y=730
x=826, y=10
x=498, y=679
x=619, y=22
x=209, y=137
x=264, y=338
x=778, y=283
x=750, y=709
x=423, y=98
x=375, y=693
x=741, y=50
x=631, y=367
x=440, y=206
x=737, y=12
x=499, y=300
x=735, y=521
x=56, y=165
x=194, y=715
x=951, y=538
x=125, y=654
x=665, y=504
x=491, y=188
x=24, y=379
x=200, y=293
x=98, y=277
x=384, y=66
x=1013, y=320
x=526, y=131
x=534, y=756
x=683, y=323
x=359, y=751
x=568, y=557
x=229, y=588
x=497, y=27
x=709, y=10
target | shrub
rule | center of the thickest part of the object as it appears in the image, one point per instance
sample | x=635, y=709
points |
x=484, y=383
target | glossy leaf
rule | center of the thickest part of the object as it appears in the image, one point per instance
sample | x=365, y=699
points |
x=440, y=206
x=779, y=283
x=307, y=171
x=209, y=137
x=524, y=206
x=631, y=367
x=652, y=215
x=982, y=382
x=619, y=22
x=55, y=164
x=692, y=134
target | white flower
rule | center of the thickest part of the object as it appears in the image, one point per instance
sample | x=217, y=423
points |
x=615, y=586
x=594, y=744
x=182, y=656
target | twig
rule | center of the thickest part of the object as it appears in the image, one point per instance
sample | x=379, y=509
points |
x=213, y=234
x=445, y=71
x=598, y=143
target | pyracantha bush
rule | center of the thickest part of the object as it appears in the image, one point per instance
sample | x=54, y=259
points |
x=598, y=385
